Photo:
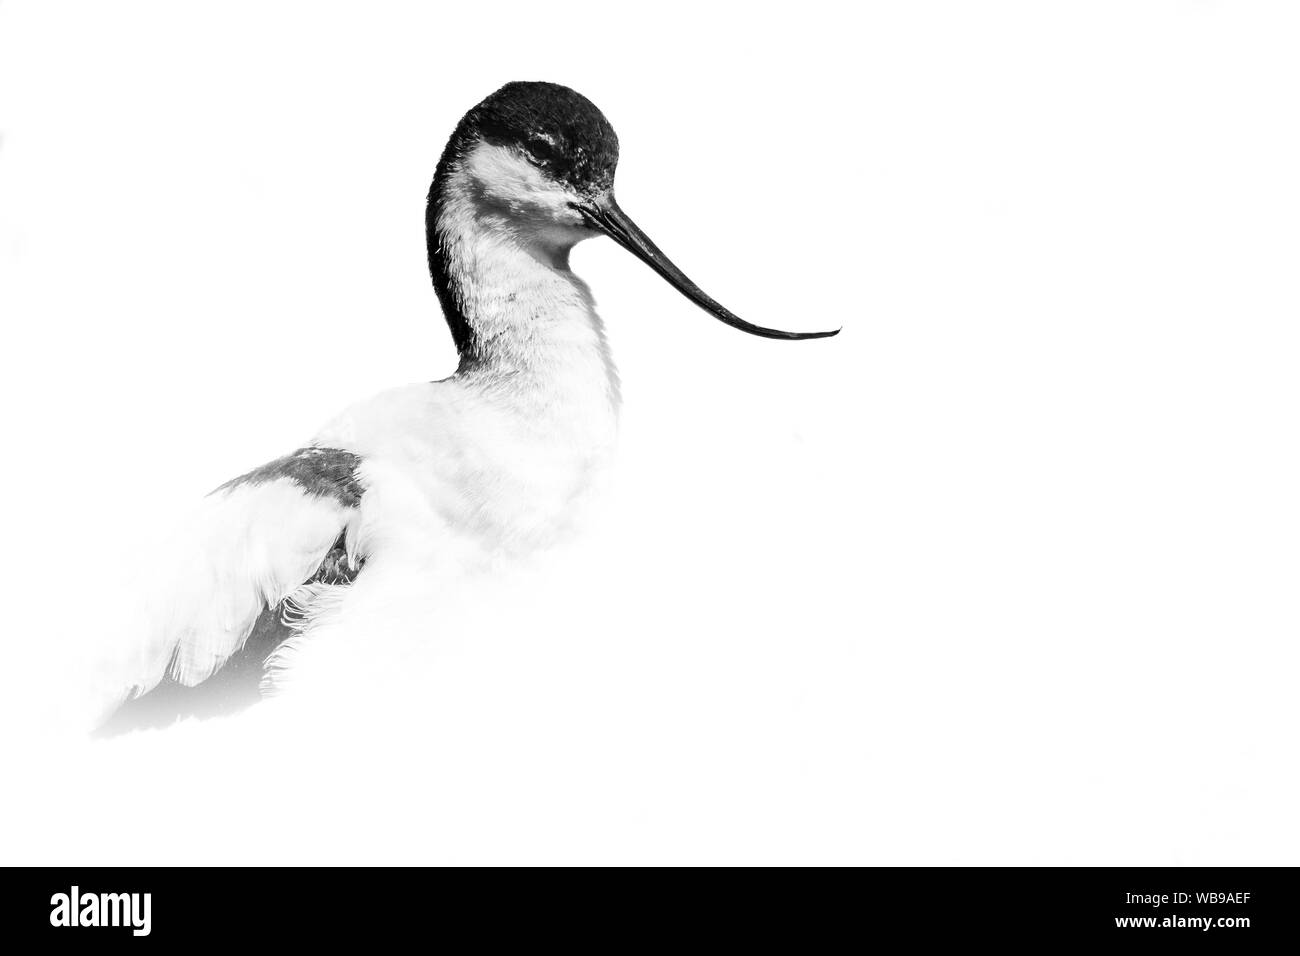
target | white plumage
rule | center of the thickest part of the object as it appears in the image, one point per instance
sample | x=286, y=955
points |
x=438, y=477
x=242, y=550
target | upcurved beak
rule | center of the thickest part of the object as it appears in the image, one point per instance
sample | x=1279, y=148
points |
x=606, y=216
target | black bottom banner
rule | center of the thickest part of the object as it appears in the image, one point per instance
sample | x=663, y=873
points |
x=1224, y=908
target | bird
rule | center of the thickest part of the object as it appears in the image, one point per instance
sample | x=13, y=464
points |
x=490, y=461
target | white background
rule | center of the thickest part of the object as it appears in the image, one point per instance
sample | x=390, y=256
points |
x=1006, y=573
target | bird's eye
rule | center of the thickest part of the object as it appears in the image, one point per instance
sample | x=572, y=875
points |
x=542, y=148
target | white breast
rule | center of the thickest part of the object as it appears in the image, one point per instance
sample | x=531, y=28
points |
x=504, y=452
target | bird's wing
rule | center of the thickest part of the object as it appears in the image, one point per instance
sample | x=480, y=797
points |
x=251, y=544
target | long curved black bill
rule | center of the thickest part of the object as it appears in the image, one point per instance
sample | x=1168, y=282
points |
x=615, y=223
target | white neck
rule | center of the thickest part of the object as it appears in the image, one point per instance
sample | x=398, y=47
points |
x=538, y=341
